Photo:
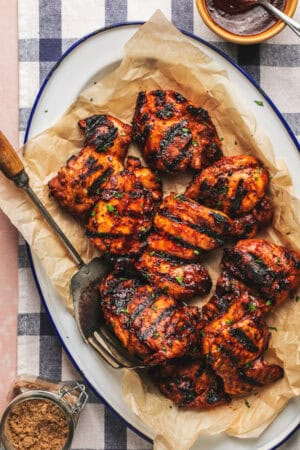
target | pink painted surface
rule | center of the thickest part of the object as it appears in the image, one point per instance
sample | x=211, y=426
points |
x=8, y=234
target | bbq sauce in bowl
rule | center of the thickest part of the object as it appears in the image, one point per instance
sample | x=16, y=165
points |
x=241, y=17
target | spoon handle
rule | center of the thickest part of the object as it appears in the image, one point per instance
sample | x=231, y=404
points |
x=295, y=26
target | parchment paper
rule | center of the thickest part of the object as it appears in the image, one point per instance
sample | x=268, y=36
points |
x=159, y=56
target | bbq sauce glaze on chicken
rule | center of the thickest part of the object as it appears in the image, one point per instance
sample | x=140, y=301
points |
x=147, y=321
x=237, y=186
x=173, y=134
x=123, y=215
x=77, y=185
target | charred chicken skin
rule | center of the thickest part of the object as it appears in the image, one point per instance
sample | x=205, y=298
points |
x=270, y=270
x=173, y=134
x=123, y=215
x=78, y=184
x=191, y=225
x=237, y=186
x=234, y=343
x=148, y=322
x=106, y=134
x=179, y=279
x=191, y=384
x=233, y=184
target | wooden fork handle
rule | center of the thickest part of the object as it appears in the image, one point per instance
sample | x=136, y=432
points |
x=10, y=163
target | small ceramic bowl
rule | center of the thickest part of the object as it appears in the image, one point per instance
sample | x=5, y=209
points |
x=252, y=37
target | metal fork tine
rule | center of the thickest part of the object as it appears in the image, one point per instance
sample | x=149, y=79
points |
x=105, y=354
x=116, y=351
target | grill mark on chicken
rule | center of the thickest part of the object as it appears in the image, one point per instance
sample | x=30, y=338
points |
x=148, y=322
x=174, y=135
x=240, y=193
x=204, y=228
x=237, y=186
x=169, y=138
x=103, y=139
x=269, y=269
x=150, y=331
x=94, y=188
x=243, y=339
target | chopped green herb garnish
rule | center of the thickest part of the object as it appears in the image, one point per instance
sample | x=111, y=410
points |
x=251, y=307
x=257, y=260
x=185, y=130
x=152, y=253
x=156, y=335
x=221, y=139
x=152, y=294
x=177, y=196
x=122, y=133
x=278, y=261
x=268, y=303
x=110, y=208
x=195, y=143
x=220, y=348
x=229, y=322
x=164, y=348
x=259, y=102
x=224, y=190
x=124, y=310
x=202, y=334
x=93, y=213
x=143, y=229
x=104, y=148
x=248, y=365
x=273, y=328
x=123, y=278
x=154, y=307
x=118, y=195
x=179, y=279
x=196, y=252
x=194, y=350
x=247, y=403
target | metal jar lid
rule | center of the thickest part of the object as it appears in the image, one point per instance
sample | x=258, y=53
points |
x=70, y=398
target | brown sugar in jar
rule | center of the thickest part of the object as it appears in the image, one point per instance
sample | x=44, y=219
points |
x=42, y=415
x=37, y=424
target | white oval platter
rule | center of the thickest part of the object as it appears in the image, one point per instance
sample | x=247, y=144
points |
x=97, y=54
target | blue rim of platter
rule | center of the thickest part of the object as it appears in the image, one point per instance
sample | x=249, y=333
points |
x=41, y=90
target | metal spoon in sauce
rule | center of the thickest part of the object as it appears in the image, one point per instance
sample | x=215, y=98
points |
x=238, y=6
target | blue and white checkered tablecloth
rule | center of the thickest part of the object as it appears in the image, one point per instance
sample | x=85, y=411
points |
x=46, y=29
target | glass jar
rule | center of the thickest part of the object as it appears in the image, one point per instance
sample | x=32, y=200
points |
x=70, y=399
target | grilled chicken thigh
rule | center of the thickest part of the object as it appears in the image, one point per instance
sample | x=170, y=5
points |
x=173, y=134
x=234, y=184
x=78, y=184
x=191, y=225
x=148, y=322
x=190, y=384
x=237, y=186
x=179, y=279
x=234, y=343
x=123, y=215
x=270, y=270
x=106, y=134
